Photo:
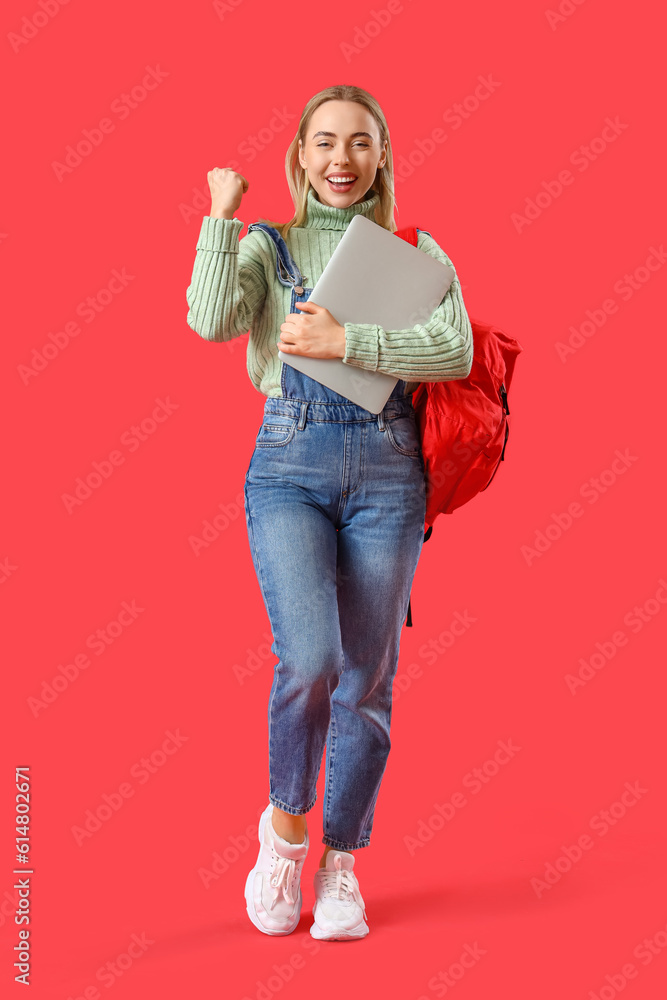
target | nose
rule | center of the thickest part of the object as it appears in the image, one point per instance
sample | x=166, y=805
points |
x=342, y=158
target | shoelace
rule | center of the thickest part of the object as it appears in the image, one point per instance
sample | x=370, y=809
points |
x=341, y=883
x=282, y=877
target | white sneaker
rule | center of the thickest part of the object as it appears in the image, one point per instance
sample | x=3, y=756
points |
x=339, y=909
x=273, y=887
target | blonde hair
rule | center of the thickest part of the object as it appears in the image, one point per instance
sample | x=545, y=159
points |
x=297, y=176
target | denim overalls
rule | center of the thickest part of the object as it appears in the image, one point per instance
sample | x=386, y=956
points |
x=335, y=502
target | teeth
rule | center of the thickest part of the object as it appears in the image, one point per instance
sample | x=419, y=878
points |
x=340, y=180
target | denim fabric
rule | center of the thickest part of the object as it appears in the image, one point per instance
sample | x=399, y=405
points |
x=335, y=504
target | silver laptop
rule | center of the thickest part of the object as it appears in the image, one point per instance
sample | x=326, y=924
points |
x=374, y=277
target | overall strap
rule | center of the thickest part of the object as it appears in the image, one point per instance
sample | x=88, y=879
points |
x=286, y=267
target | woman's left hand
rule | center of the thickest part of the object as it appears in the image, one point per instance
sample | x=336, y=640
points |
x=317, y=334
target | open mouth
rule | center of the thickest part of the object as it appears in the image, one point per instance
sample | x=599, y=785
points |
x=346, y=185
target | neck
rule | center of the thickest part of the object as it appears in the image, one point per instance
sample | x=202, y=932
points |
x=321, y=216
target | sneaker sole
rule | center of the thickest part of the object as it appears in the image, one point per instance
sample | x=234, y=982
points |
x=353, y=934
x=250, y=901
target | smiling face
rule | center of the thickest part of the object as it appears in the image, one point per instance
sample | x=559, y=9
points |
x=342, y=139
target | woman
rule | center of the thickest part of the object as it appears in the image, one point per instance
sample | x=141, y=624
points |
x=335, y=495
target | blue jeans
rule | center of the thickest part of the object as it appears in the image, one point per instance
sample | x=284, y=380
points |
x=335, y=504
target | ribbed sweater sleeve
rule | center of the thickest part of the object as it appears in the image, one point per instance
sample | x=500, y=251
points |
x=228, y=286
x=437, y=350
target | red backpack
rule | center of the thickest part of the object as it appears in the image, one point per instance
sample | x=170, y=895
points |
x=463, y=422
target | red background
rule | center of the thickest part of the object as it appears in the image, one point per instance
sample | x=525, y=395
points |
x=133, y=204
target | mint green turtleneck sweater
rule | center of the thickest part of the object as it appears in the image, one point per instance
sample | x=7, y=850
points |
x=235, y=288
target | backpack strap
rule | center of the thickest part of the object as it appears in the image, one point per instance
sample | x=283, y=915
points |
x=411, y=235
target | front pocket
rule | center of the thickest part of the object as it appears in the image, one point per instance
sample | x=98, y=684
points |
x=275, y=435
x=403, y=435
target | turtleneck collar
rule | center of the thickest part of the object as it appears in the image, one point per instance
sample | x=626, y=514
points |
x=321, y=216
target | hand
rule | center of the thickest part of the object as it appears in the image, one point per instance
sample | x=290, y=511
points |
x=315, y=335
x=227, y=188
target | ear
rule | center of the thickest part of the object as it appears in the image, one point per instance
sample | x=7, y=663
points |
x=301, y=155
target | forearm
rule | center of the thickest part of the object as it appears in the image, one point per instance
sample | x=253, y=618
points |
x=436, y=351
x=225, y=291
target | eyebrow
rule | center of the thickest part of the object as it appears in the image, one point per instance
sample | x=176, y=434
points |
x=352, y=136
